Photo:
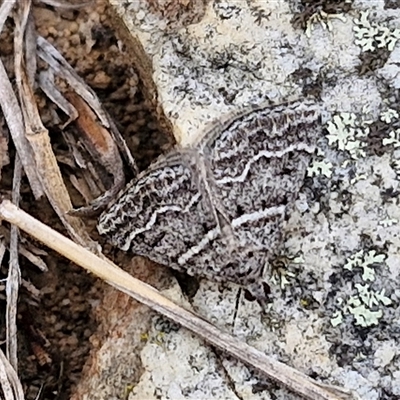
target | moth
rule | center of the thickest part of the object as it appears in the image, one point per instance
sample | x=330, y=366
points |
x=217, y=209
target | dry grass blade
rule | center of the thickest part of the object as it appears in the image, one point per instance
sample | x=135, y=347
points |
x=99, y=143
x=3, y=248
x=67, y=6
x=38, y=137
x=14, y=277
x=4, y=156
x=5, y=11
x=56, y=61
x=46, y=83
x=105, y=269
x=9, y=380
x=13, y=116
x=22, y=249
x=5, y=384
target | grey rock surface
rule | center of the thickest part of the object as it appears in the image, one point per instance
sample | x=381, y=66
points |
x=334, y=307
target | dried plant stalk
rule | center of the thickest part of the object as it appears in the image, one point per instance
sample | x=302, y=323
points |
x=13, y=116
x=14, y=276
x=48, y=53
x=39, y=140
x=9, y=380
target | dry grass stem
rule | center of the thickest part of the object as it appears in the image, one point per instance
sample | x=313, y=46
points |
x=3, y=248
x=101, y=146
x=5, y=384
x=106, y=270
x=65, y=5
x=13, y=116
x=60, y=66
x=23, y=250
x=5, y=11
x=10, y=384
x=39, y=140
x=14, y=276
x=4, y=156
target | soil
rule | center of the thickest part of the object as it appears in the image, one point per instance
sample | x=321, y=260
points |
x=56, y=316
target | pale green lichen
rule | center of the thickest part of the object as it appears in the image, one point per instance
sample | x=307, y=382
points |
x=396, y=167
x=371, y=36
x=341, y=128
x=337, y=318
x=393, y=139
x=280, y=277
x=361, y=307
x=365, y=261
x=346, y=132
x=371, y=298
x=388, y=115
x=320, y=168
x=298, y=259
x=363, y=316
x=364, y=306
x=388, y=222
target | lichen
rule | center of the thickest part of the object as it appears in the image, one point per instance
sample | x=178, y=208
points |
x=376, y=42
x=365, y=305
x=346, y=133
x=365, y=261
x=393, y=139
x=389, y=115
x=320, y=168
x=360, y=135
x=386, y=223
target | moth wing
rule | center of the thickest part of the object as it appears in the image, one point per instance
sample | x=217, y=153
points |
x=160, y=214
x=258, y=165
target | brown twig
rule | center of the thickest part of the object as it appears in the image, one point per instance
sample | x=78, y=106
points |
x=146, y=294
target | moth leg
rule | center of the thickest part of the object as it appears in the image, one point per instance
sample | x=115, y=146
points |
x=258, y=291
